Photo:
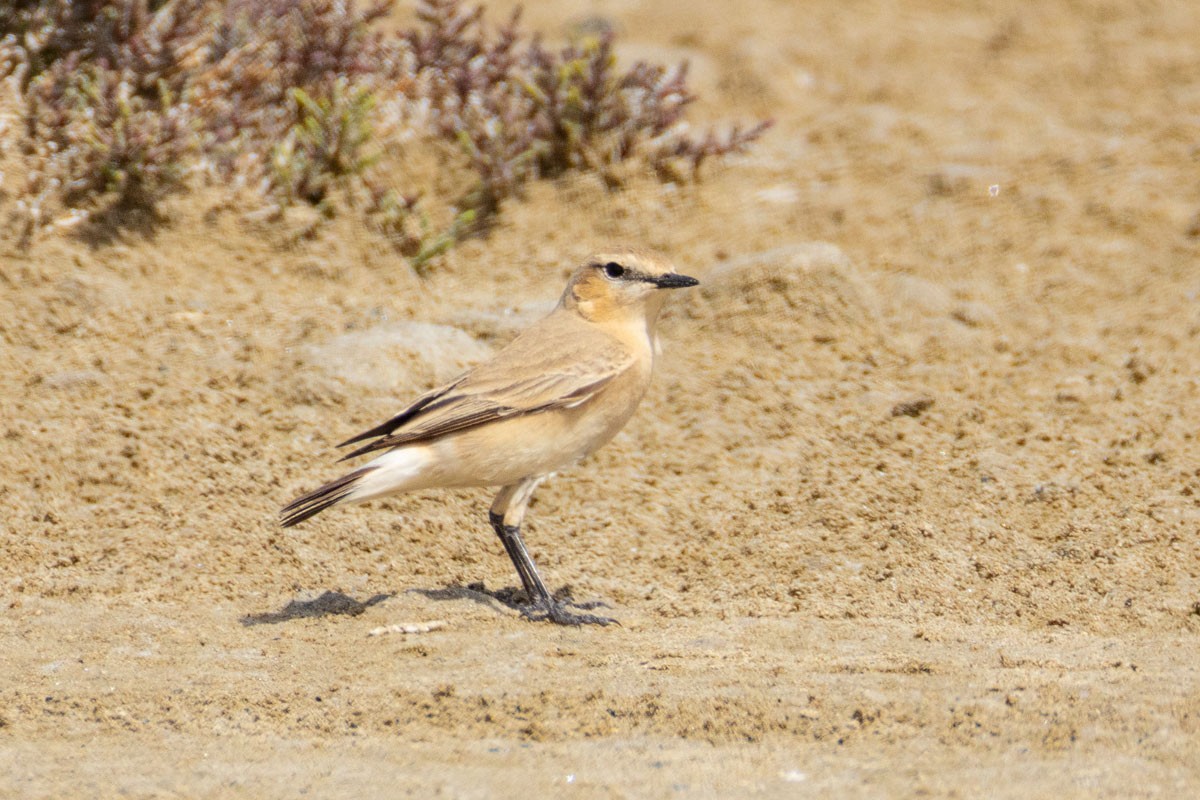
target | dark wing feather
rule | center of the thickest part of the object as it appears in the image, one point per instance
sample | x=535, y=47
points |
x=421, y=404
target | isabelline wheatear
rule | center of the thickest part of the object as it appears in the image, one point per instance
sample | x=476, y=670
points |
x=556, y=393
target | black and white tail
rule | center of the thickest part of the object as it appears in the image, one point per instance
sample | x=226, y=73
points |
x=395, y=471
x=317, y=501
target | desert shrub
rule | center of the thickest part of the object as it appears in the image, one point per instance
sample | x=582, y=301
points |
x=327, y=144
x=259, y=53
x=144, y=41
x=590, y=116
x=92, y=141
x=121, y=101
x=521, y=111
x=105, y=119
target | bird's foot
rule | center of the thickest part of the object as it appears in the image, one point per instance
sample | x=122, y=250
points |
x=557, y=612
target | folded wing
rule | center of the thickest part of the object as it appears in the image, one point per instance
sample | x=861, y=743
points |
x=544, y=368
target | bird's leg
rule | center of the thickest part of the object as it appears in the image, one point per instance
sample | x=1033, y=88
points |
x=509, y=536
x=506, y=515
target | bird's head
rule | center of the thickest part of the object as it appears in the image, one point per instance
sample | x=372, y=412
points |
x=622, y=285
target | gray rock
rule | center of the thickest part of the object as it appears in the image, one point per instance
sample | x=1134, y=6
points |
x=402, y=356
x=810, y=290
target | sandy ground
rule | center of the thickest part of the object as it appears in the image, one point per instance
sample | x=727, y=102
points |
x=911, y=509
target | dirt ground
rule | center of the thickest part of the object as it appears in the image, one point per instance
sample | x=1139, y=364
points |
x=911, y=509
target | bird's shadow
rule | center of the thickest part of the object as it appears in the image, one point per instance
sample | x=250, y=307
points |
x=332, y=604
x=509, y=596
x=327, y=605
x=477, y=593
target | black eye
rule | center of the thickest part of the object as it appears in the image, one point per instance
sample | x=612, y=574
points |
x=613, y=270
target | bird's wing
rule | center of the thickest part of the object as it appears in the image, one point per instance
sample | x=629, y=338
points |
x=545, y=368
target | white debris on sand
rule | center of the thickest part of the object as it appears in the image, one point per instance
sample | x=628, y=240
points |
x=410, y=627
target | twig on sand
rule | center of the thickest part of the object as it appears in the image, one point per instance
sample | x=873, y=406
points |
x=409, y=627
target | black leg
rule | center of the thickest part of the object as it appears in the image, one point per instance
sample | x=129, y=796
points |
x=542, y=606
x=525, y=570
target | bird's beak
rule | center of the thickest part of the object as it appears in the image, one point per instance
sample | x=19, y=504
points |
x=672, y=280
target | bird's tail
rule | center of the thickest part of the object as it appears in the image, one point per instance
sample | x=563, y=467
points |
x=396, y=470
x=317, y=501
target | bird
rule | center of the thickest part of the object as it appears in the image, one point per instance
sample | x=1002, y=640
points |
x=555, y=394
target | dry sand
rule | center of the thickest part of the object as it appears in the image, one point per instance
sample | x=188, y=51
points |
x=911, y=509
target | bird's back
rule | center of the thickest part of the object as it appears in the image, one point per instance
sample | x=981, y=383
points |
x=561, y=363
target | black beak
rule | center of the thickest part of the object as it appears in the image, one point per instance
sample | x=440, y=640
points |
x=672, y=280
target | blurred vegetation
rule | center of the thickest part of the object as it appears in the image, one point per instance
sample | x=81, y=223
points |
x=120, y=103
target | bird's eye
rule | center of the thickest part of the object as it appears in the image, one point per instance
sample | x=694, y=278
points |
x=613, y=270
